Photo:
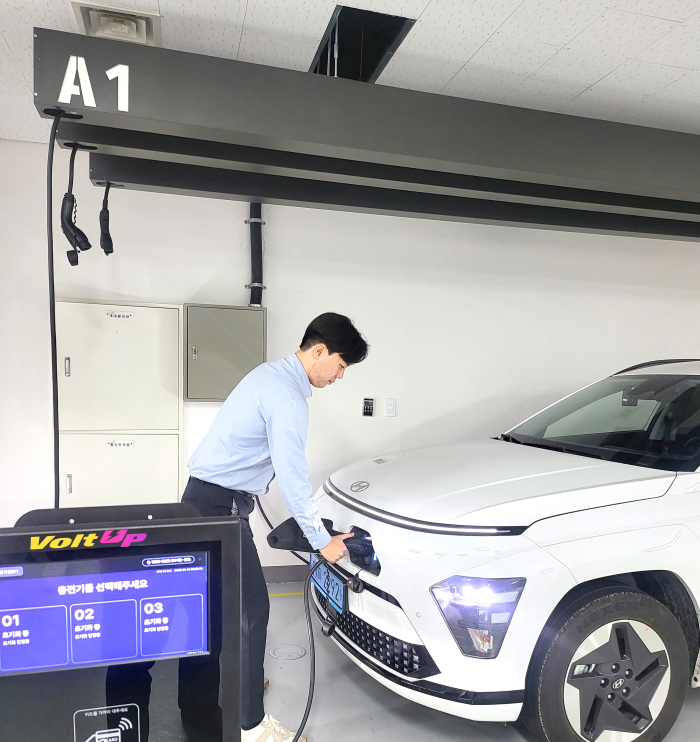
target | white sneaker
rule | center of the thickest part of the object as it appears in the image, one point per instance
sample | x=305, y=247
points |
x=269, y=730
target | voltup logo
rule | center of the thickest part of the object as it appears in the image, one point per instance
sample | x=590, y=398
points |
x=81, y=540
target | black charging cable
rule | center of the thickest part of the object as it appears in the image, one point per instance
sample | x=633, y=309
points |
x=309, y=627
x=272, y=528
x=312, y=647
x=105, y=236
x=52, y=303
x=75, y=236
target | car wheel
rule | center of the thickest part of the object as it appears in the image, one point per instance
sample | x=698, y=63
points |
x=614, y=667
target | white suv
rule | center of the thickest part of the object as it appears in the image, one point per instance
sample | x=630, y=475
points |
x=553, y=572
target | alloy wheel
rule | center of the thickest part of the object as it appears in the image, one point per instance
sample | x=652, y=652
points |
x=617, y=682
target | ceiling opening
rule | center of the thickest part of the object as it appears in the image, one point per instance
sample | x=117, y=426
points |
x=358, y=44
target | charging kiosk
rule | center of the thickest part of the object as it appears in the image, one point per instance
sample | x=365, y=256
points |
x=113, y=620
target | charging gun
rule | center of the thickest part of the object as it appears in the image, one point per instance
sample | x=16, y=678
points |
x=290, y=537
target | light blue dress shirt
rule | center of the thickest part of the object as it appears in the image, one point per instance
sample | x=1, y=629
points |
x=260, y=432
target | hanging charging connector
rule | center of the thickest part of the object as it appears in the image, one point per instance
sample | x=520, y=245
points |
x=75, y=236
x=105, y=237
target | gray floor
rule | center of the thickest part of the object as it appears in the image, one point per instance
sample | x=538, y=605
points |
x=348, y=702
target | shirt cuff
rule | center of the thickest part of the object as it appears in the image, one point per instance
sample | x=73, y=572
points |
x=321, y=539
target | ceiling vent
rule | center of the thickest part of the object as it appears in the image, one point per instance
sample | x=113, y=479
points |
x=122, y=24
x=358, y=44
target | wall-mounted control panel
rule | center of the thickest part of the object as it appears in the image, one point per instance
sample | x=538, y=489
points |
x=390, y=407
x=222, y=345
x=367, y=407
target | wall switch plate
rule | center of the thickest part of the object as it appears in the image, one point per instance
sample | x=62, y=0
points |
x=390, y=407
x=367, y=407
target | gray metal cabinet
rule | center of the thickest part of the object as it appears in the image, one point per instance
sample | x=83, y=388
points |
x=222, y=345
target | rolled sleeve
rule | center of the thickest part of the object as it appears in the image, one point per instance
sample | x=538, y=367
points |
x=287, y=429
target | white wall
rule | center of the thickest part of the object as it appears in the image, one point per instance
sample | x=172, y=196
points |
x=472, y=327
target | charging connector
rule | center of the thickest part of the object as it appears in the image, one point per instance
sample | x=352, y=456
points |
x=75, y=236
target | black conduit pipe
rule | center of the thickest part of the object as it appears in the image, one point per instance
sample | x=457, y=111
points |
x=52, y=307
x=256, y=257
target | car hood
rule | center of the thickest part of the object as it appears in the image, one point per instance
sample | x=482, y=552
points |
x=494, y=482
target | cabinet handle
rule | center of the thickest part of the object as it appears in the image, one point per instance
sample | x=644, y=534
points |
x=69, y=484
x=66, y=365
x=194, y=352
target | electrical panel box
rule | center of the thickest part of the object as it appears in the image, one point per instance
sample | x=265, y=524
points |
x=118, y=469
x=222, y=345
x=118, y=367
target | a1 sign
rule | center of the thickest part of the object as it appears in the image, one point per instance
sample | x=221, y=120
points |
x=76, y=81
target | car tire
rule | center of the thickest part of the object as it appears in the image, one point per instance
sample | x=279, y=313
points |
x=612, y=667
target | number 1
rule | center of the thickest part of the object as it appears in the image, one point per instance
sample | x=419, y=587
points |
x=121, y=72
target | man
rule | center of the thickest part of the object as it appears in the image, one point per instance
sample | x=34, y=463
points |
x=260, y=433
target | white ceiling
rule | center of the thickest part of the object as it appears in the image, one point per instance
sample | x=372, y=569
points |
x=635, y=61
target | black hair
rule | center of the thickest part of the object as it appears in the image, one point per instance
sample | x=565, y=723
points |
x=339, y=335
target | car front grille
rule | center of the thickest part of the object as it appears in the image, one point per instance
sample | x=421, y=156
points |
x=411, y=660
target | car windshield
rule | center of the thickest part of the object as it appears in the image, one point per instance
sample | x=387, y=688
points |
x=651, y=420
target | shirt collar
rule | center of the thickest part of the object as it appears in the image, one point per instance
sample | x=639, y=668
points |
x=296, y=364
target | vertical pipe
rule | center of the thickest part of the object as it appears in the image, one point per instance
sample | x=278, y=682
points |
x=328, y=63
x=256, y=257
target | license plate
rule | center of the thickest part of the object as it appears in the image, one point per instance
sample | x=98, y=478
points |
x=330, y=585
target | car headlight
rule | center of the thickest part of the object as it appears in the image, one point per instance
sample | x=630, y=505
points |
x=478, y=611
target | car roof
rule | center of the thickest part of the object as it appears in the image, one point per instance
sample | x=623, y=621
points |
x=675, y=367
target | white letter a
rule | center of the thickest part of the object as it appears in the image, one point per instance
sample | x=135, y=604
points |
x=69, y=88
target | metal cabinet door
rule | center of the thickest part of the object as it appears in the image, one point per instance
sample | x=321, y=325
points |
x=114, y=469
x=118, y=367
x=223, y=345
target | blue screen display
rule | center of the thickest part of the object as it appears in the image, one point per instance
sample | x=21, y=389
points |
x=89, y=612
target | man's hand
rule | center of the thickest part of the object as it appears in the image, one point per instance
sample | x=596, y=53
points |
x=335, y=549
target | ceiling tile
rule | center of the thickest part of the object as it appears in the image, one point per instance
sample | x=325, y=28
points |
x=553, y=21
x=419, y=73
x=544, y=95
x=603, y=46
x=675, y=10
x=212, y=28
x=449, y=29
x=284, y=34
x=685, y=90
x=147, y=6
x=643, y=77
x=17, y=21
x=663, y=114
x=446, y=35
x=601, y=102
x=277, y=50
x=18, y=116
x=404, y=8
x=483, y=84
x=681, y=47
x=499, y=66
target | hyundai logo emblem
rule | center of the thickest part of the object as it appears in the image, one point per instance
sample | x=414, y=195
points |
x=359, y=486
x=618, y=684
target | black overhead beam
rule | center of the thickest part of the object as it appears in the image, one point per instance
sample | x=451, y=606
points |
x=210, y=113
x=124, y=142
x=243, y=185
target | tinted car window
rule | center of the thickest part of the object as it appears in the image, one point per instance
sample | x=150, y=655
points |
x=651, y=421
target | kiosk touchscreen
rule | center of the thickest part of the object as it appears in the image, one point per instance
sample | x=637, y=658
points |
x=101, y=611
x=107, y=632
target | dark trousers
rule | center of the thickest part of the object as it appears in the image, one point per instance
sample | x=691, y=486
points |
x=211, y=500
x=198, y=685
